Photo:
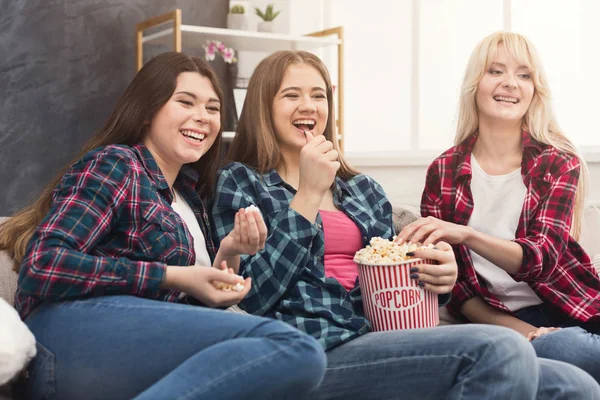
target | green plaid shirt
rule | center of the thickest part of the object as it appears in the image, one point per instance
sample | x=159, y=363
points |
x=288, y=275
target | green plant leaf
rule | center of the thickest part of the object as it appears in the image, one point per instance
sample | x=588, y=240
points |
x=259, y=13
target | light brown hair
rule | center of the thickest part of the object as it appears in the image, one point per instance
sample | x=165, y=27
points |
x=255, y=143
x=150, y=89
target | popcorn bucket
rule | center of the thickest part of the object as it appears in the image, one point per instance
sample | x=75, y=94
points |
x=392, y=300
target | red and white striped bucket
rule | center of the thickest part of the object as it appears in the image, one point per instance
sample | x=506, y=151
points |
x=392, y=300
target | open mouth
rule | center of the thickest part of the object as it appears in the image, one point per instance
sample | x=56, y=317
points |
x=506, y=99
x=193, y=136
x=304, y=124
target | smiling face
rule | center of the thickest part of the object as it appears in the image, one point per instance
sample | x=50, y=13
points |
x=300, y=104
x=187, y=125
x=505, y=91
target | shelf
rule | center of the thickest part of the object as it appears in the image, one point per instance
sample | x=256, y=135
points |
x=178, y=36
x=196, y=37
x=229, y=135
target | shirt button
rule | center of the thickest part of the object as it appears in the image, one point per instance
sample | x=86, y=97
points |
x=319, y=226
x=365, y=238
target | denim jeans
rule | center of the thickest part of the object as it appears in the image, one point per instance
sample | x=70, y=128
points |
x=449, y=362
x=576, y=343
x=123, y=347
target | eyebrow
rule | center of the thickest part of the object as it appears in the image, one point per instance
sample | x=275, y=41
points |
x=504, y=65
x=192, y=95
x=297, y=88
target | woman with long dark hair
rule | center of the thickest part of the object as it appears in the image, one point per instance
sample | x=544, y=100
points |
x=115, y=262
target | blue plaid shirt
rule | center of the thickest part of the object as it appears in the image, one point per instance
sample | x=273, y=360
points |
x=110, y=230
x=288, y=275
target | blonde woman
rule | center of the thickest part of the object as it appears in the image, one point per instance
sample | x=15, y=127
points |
x=319, y=212
x=509, y=197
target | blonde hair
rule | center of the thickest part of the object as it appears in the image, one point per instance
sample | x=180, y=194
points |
x=255, y=143
x=539, y=119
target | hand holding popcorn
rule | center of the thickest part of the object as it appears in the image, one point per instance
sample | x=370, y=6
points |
x=228, y=287
x=248, y=235
x=202, y=283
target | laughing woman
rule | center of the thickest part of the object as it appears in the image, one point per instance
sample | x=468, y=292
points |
x=510, y=196
x=115, y=280
x=319, y=212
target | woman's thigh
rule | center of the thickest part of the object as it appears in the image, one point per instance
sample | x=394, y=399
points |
x=459, y=361
x=124, y=344
x=573, y=345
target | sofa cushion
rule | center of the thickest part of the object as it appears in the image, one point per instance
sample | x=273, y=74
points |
x=590, y=231
x=8, y=278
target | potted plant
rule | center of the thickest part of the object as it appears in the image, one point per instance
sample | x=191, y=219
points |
x=268, y=16
x=236, y=19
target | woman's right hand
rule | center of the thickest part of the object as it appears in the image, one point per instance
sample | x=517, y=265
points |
x=318, y=164
x=198, y=283
x=539, y=332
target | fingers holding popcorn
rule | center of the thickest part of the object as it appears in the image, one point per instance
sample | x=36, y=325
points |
x=249, y=234
x=431, y=230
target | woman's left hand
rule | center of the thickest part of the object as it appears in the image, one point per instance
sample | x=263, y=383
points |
x=248, y=236
x=531, y=336
x=437, y=278
x=430, y=230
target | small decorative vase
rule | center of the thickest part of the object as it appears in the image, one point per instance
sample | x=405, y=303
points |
x=237, y=21
x=266, y=26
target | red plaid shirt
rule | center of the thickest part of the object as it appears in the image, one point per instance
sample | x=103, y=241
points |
x=111, y=231
x=554, y=264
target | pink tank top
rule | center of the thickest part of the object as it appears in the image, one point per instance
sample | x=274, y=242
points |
x=342, y=240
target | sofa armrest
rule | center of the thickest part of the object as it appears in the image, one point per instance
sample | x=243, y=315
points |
x=404, y=215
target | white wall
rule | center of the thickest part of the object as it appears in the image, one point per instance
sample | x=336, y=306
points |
x=404, y=184
x=405, y=59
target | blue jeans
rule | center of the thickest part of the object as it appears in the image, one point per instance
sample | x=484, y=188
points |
x=576, y=343
x=123, y=347
x=449, y=362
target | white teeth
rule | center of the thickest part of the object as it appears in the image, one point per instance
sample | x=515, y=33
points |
x=504, y=98
x=192, y=134
x=304, y=122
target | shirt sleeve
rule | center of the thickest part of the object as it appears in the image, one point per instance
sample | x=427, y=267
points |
x=279, y=265
x=548, y=231
x=86, y=203
x=431, y=205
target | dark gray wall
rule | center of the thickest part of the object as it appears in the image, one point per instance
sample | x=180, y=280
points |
x=63, y=64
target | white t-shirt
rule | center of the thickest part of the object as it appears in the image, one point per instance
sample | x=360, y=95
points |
x=181, y=207
x=498, y=201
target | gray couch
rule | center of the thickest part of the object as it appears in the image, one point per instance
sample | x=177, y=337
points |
x=403, y=215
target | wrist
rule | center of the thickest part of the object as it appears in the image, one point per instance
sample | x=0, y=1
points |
x=468, y=236
x=226, y=251
x=172, y=274
x=310, y=195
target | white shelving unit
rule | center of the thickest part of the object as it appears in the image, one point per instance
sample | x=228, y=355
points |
x=196, y=36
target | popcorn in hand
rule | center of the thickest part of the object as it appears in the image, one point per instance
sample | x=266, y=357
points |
x=226, y=287
x=253, y=208
x=383, y=251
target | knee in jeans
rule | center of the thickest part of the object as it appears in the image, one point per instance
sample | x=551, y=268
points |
x=506, y=342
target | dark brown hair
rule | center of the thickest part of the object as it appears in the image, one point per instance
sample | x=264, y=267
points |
x=255, y=143
x=150, y=89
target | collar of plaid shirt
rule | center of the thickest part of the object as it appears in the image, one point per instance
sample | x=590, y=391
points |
x=552, y=259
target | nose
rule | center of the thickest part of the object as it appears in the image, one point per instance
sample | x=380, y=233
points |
x=201, y=116
x=307, y=105
x=510, y=81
